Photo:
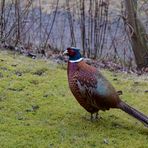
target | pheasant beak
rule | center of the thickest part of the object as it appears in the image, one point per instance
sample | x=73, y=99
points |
x=65, y=52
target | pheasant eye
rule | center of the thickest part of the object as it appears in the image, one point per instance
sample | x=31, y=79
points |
x=71, y=52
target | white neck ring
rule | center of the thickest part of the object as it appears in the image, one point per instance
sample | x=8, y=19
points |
x=74, y=61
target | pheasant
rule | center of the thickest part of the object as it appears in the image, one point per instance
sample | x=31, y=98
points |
x=92, y=90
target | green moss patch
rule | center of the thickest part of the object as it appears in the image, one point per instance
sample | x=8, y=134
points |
x=37, y=109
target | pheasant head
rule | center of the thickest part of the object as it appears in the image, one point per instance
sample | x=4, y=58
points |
x=74, y=54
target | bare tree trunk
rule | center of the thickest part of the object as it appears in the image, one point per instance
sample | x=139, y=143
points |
x=71, y=25
x=18, y=20
x=96, y=29
x=90, y=29
x=140, y=48
x=83, y=34
x=105, y=7
x=2, y=18
x=40, y=24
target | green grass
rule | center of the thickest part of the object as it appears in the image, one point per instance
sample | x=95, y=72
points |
x=38, y=110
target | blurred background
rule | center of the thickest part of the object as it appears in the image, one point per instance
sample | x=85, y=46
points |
x=104, y=29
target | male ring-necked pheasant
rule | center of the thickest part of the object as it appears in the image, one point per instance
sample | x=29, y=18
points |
x=92, y=90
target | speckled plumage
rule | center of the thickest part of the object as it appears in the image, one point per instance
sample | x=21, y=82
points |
x=92, y=90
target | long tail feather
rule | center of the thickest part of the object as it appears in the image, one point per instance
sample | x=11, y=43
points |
x=133, y=112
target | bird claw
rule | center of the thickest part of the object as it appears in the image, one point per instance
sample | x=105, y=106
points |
x=146, y=125
x=96, y=118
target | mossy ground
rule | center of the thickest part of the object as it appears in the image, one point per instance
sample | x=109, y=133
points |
x=38, y=110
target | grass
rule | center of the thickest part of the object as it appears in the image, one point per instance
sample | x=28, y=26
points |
x=38, y=110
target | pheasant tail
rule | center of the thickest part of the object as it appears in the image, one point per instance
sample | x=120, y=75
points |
x=133, y=112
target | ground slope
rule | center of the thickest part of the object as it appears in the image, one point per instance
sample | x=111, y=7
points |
x=38, y=110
